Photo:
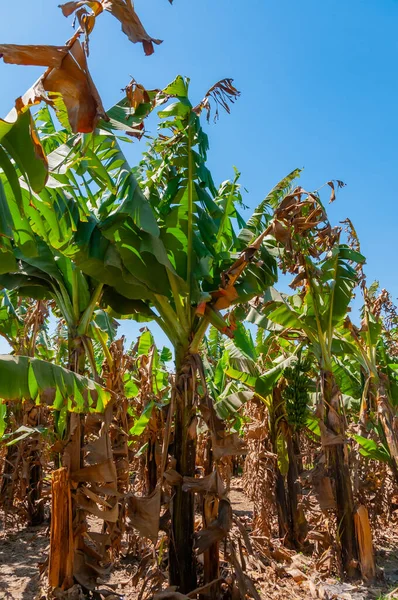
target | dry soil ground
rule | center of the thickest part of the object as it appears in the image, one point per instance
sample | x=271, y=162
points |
x=22, y=548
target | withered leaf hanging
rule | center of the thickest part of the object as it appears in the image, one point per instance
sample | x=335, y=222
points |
x=144, y=513
x=39, y=56
x=104, y=472
x=210, y=484
x=67, y=78
x=217, y=530
x=223, y=93
x=230, y=445
x=124, y=11
x=331, y=184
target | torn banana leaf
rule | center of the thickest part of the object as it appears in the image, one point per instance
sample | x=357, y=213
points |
x=211, y=484
x=217, y=530
x=172, y=477
x=230, y=445
x=124, y=11
x=144, y=513
x=99, y=473
x=98, y=451
x=67, y=78
x=86, y=572
x=90, y=506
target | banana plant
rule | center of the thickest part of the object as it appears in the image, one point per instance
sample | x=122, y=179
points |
x=324, y=269
x=25, y=378
x=74, y=298
x=201, y=276
x=38, y=385
x=147, y=386
x=365, y=349
x=367, y=346
x=51, y=276
x=262, y=368
x=22, y=161
x=35, y=227
x=24, y=324
x=165, y=249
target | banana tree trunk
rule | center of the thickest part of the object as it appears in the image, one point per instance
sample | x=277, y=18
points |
x=297, y=451
x=368, y=403
x=387, y=421
x=60, y=568
x=33, y=417
x=120, y=452
x=280, y=491
x=9, y=477
x=151, y=467
x=23, y=473
x=298, y=523
x=35, y=504
x=182, y=562
x=73, y=520
x=211, y=557
x=291, y=518
x=338, y=463
x=281, y=505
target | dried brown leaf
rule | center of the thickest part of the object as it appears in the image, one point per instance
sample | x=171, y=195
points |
x=281, y=555
x=217, y=530
x=328, y=437
x=106, y=491
x=144, y=513
x=95, y=497
x=100, y=473
x=210, y=484
x=101, y=540
x=324, y=493
x=67, y=77
x=230, y=445
x=298, y=280
x=124, y=11
x=245, y=584
x=86, y=570
x=172, y=477
x=281, y=233
x=331, y=184
x=70, y=7
x=91, y=507
x=39, y=56
x=136, y=94
x=365, y=544
x=297, y=575
x=98, y=451
x=73, y=82
x=223, y=93
x=224, y=298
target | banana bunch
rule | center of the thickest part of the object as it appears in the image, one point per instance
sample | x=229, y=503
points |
x=295, y=394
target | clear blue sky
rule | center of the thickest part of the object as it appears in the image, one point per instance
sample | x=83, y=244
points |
x=319, y=90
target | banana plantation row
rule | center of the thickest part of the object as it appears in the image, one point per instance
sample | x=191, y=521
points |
x=291, y=381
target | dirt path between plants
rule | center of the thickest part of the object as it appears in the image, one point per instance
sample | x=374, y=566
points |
x=20, y=552
x=23, y=548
